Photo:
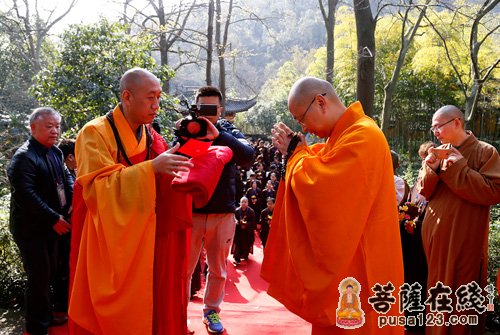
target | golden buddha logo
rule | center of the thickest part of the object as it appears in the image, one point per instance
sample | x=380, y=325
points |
x=349, y=314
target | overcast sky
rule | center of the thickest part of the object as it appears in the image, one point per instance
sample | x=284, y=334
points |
x=85, y=11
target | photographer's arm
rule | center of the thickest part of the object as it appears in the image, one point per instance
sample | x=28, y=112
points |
x=243, y=153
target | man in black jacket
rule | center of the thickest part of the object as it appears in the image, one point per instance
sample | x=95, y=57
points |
x=214, y=224
x=40, y=203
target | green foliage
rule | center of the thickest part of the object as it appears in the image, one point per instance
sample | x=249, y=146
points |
x=14, y=81
x=456, y=28
x=83, y=82
x=494, y=250
x=12, y=277
x=272, y=105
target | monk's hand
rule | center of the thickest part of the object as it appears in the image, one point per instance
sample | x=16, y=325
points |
x=170, y=163
x=62, y=226
x=453, y=157
x=432, y=161
x=281, y=136
x=212, y=131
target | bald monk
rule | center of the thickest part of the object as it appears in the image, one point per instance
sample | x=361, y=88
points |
x=335, y=215
x=460, y=188
x=129, y=250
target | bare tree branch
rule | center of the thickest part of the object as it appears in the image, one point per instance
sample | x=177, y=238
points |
x=463, y=86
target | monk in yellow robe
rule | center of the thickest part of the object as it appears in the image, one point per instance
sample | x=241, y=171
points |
x=129, y=250
x=335, y=215
x=461, y=184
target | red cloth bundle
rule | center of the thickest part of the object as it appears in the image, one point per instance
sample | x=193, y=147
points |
x=201, y=179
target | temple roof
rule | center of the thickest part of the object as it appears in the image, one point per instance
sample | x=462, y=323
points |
x=236, y=106
x=231, y=105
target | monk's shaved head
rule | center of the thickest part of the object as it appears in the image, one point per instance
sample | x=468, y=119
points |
x=305, y=88
x=450, y=112
x=318, y=98
x=134, y=78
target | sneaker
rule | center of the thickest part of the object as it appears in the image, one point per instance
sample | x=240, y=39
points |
x=211, y=319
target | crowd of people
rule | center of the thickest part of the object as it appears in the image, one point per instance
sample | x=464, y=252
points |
x=111, y=227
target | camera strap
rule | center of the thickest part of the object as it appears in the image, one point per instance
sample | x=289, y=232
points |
x=119, y=144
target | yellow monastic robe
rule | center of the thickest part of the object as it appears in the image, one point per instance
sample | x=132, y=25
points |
x=456, y=224
x=119, y=280
x=335, y=217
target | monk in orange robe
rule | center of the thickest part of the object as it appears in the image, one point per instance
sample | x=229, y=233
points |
x=129, y=250
x=461, y=184
x=335, y=215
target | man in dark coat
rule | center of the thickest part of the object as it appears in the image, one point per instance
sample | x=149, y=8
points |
x=40, y=203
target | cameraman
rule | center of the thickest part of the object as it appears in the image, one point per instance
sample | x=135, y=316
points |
x=214, y=224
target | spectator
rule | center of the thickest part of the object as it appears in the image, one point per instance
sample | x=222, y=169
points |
x=41, y=192
x=402, y=188
x=415, y=264
x=244, y=234
x=67, y=146
x=268, y=192
x=264, y=225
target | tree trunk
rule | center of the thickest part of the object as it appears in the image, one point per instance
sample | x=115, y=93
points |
x=221, y=39
x=163, y=44
x=210, y=41
x=329, y=21
x=406, y=39
x=218, y=41
x=472, y=99
x=388, y=94
x=365, y=75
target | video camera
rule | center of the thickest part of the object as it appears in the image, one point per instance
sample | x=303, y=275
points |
x=191, y=126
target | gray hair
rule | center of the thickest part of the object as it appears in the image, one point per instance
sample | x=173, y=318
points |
x=41, y=112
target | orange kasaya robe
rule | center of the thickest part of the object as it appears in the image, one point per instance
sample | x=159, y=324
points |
x=129, y=241
x=335, y=217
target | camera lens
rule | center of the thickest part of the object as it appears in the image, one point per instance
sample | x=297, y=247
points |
x=193, y=127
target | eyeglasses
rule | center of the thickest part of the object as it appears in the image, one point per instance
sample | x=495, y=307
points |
x=299, y=120
x=435, y=128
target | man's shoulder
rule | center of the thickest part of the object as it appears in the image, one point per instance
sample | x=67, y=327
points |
x=20, y=154
x=487, y=147
x=26, y=153
x=29, y=147
x=365, y=131
x=96, y=125
x=228, y=127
